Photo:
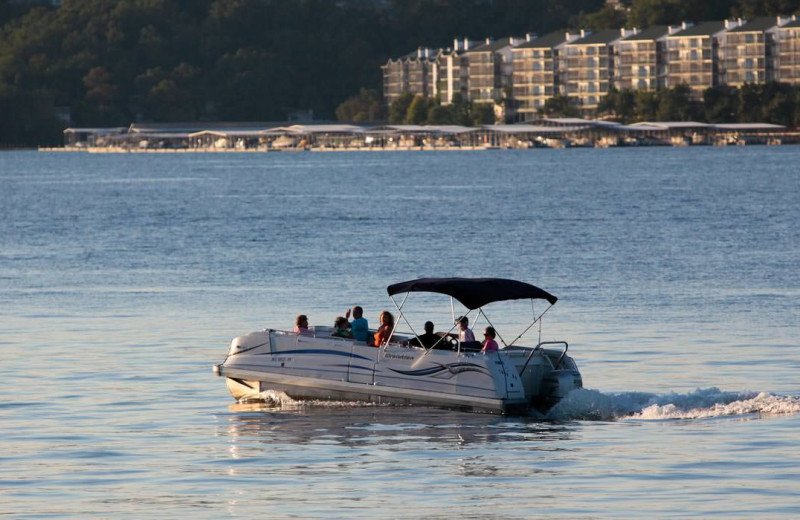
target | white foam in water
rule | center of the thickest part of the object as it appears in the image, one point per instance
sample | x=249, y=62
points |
x=277, y=399
x=586, y=404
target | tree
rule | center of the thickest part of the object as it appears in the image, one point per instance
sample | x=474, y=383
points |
x=644, y=13
x=398, y=111
x=366, y=106
x=618, y=104
x=418, y=110
x=646, y=103
x=719, y=104
x=559, y=106
x=482, y=114
x=441, y=115
x=609, y=17
x=676, y=104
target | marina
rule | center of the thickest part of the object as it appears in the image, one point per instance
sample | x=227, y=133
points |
x=545, y=133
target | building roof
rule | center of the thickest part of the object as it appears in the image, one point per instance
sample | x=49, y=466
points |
x=757, y=25
x=547, y=41
x=600, y=38
x=493, y=46
x=701, y=29
x=791, y=25
x=650, y=34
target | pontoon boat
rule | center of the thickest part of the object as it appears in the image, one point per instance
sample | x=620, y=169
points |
x=449, y=374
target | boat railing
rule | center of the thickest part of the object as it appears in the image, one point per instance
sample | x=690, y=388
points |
x=538, y=347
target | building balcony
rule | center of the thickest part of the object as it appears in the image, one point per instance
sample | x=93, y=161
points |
x=532, y=67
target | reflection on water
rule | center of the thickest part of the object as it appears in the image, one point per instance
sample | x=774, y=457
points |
x=387, y=425
x=425, y=444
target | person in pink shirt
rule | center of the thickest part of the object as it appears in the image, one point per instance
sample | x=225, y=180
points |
x=489, y=344
x=301, y=325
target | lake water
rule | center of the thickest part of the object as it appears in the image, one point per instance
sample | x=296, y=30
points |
x=123, y=279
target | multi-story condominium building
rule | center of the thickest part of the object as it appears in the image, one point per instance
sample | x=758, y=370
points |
x=535, y=76
x=639, y=60
x=746, y=52
x=787, y=52
x=526, y=72
x=588, y=67
x=490, y=69
x=453, y=70
x=692, y=56
x=415, y=73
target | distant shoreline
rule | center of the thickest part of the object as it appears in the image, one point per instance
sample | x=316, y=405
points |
x=772, y=141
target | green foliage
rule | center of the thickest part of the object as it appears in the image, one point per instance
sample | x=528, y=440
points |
x=418, y=110
x=617, y=104
x=559, y=106
x=776, y=103
x=111, y=62
x=398, y=112
x=720, y=104
x=609, y=17
x=751, y=8
x=365, y=107
x=482, y=113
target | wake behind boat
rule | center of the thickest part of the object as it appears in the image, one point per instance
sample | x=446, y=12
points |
x=449, y=373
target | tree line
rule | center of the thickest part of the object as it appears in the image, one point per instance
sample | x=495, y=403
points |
x=112, y=62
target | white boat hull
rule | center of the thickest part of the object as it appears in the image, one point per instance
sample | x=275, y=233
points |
x=325, y=367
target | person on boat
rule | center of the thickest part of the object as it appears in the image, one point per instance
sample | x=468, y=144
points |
x=381, y=337
x=489, y=344
x=301, y=325
x=464, y=332
x=359, y=327
x=427, y=340
x=341, y=328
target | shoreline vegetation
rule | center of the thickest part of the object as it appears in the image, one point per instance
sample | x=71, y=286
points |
x=100, y=63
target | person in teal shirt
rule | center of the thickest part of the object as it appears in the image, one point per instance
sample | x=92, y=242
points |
x=359, y=326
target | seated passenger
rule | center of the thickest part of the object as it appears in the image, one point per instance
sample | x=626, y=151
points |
x=427, y=340
x=301, y=325
x=489, y=344
x=464, y=332
x=341, y=328
x=359, y=326
x=381, y=337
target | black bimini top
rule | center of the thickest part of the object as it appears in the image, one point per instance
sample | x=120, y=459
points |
x=474, y=292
